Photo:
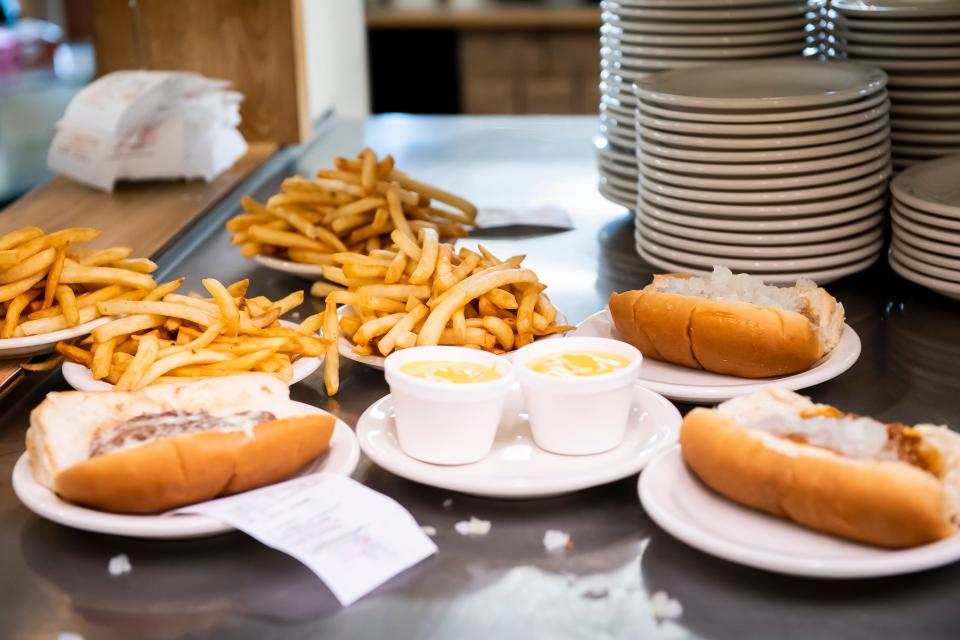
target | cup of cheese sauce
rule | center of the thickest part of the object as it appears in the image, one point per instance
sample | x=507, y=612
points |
x=578, y=392
x=447, y=401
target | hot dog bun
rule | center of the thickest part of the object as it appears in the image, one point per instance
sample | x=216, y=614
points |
x=78, y=448
x=881, y=501
x=755, y=331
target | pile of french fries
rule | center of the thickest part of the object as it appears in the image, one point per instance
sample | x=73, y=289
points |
x=352, y=208
x=164, y=336
x=421, y=292
x=48, y=284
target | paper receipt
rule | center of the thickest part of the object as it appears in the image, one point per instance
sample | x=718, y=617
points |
x=352, y=537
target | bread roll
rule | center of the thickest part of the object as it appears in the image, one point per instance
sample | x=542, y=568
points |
x=859, y=483
x=755, y=331
x=171, y=445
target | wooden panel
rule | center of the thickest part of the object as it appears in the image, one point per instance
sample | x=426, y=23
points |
x=142, y=215
x=256, y=44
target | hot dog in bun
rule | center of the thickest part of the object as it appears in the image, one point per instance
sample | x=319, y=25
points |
x=730, y=324
x=852, y=476
x=171, y=445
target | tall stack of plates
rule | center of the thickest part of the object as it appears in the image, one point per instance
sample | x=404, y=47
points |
x=917, y=42
x=926, y=225
x=644, y=37
x=776, y=167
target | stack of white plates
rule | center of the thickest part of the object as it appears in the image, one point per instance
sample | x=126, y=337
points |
x=926, y=225
x=917, y=42
x=775, y=167
x=644, y=37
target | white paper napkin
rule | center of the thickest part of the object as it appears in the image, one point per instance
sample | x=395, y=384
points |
x=546, y=216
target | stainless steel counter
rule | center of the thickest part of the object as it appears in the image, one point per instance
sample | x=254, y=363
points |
x=503, y=585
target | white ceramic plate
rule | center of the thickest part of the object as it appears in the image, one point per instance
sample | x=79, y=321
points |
x=911, y=64
x=768, y=116
x=766, y=84
x=787, y=196
x=949, y=289
x=731, y=13
x=763, y=156
x=732, y=143
x=309, y=271
x=770, y=240
x=45, y=342
x=516, y=467
x=615, y=24
x=833, y=204
x=611, y=35
x=81, y=378
x=904, y=248
x=931, y=187
x=935, y=125
x=900, y=137
x=617, y=196
x=914, y=110
x=742, y=251
x=907, y=38
x=690, y=4
x=627, y=184
x=930, y=151
x=763, y=225
x=932, y=81
x=693, y=385
x=767, y=183
x=920, y=229
x=759, y=265
x=752, y=170
x=687, y=127
x=902, y=51
x=633, y=55
x=933, y=246
x=341, y=458
x=918, y=27
x=691, y=512
x=923, y=267
x=883, y=10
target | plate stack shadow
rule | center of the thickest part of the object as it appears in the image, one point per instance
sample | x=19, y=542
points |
x=917, y=42
x=640, y=38
x=925, y=248
x=774, y=167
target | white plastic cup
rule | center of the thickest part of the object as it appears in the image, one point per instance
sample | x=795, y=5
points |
x=578, y=415
x=444, y=422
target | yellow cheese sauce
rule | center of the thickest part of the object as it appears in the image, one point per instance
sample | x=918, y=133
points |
x=455, y=372
x=578, y=363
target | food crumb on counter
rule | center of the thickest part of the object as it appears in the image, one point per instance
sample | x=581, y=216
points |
x=555, y=540
x=473, y=527
x=448, y=503
x=664, y=607
x=430, y=531
x=69, y=635
x=595, y=594
x=119, y=565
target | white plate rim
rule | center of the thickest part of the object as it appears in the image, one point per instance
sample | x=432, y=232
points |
x=44, y=503
x=314, y=271
x=81, y=378
x=658, y=473
x=45, y=342
x=942, y=287
x=567, y=484
x=843, y=356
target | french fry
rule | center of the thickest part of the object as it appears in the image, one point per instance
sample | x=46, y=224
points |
x=169, y=309
x=12, y=290
x=229, y=312
x=145, y=356
x=331, y=363
x=81, y=274
x=106, y=256
x=68, y=302
x=37, y=263
x=53, y=276
x=14, y=310
x=178, y=360
x=16, y=238
x=102, y=358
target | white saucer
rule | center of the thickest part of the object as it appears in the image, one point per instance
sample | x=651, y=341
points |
x=928, y=219
x=924, y=230
x=921, y=266
x=81, y=378
x=688, y=510
x=930, y=187
x=698, y=386
x=615, y=25
x=341, y=458
x=517, y=468
x=46, y=342
x=903, y=247
x=921, y=242
x=731, y=13
x=309, y=271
